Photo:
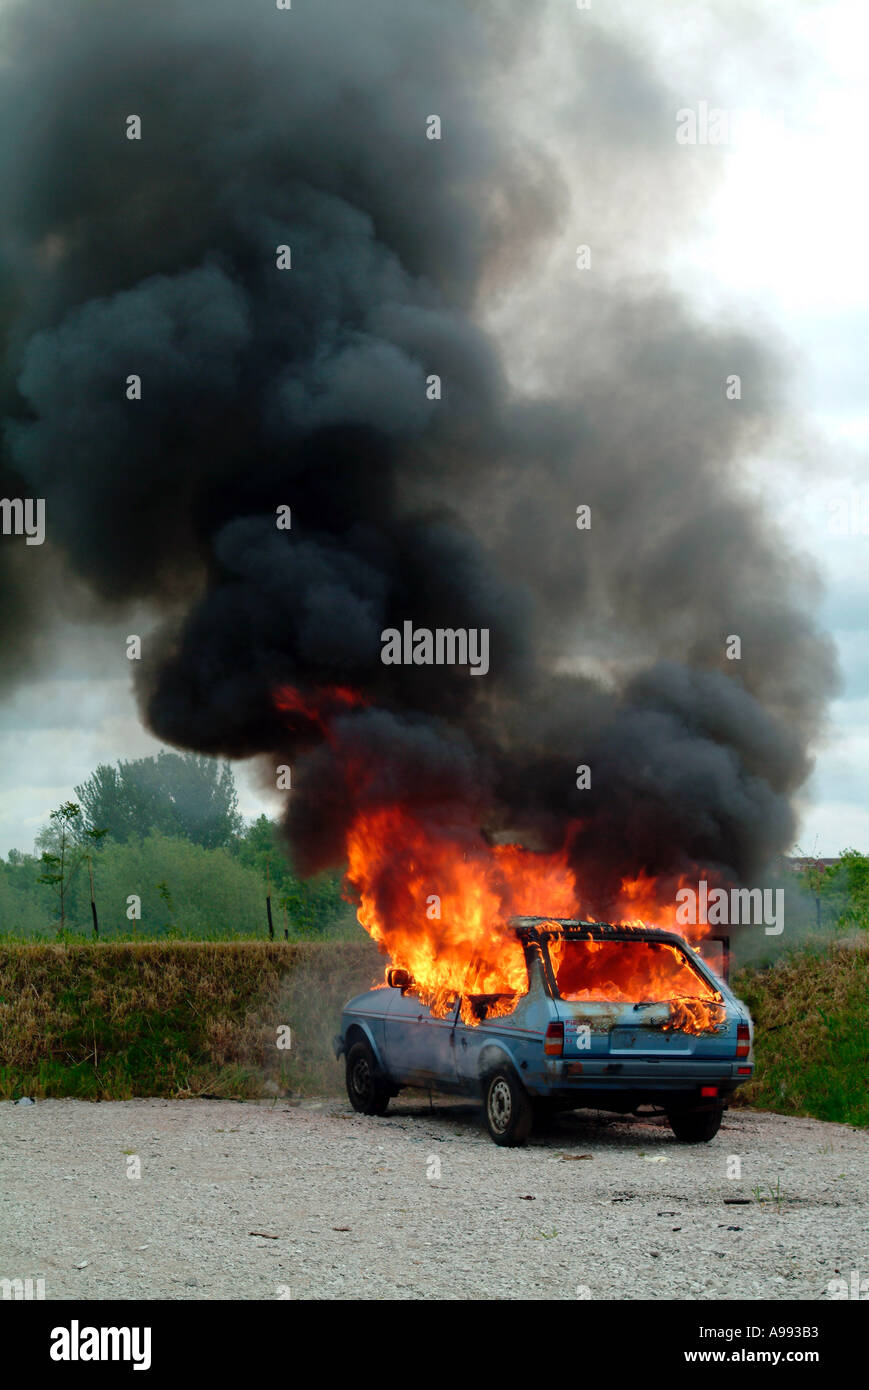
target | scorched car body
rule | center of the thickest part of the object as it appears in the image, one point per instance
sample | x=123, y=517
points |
x=548, y=1052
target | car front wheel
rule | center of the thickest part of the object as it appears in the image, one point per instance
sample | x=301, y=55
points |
x=507, y=1107
x=365, y=1087
x=696, y=1126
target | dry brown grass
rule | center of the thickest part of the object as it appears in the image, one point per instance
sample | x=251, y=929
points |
x=174, y=1018
x=811, y=1015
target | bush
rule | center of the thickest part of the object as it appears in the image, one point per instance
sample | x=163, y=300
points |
x=811, y=1015
x=185, y=891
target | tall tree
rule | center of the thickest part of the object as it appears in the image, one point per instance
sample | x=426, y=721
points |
x=184, y=795
x=69, y=838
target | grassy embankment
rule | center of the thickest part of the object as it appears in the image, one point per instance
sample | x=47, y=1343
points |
x=811, y=1016
x=104, y=1022
x=111, y=1021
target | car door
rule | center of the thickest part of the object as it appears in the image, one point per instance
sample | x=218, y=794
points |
x=516, y=1027
x=420, y=1048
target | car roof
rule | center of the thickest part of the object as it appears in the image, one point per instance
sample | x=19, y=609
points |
x=527, y=927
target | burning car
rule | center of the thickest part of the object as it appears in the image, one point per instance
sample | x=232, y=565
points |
x=605, y=1017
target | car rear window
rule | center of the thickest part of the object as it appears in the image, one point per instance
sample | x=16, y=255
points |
x=634, y=971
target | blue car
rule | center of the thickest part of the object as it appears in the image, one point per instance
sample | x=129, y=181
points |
x=612, y=1018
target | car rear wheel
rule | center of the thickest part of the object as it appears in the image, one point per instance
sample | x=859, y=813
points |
x=365, y=1087
x=507, y=1107
x=696, y=1126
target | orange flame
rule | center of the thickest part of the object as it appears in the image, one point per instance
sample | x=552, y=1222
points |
x=437, y=898
x=642, y=902
x=438, y=903
x=632, y=972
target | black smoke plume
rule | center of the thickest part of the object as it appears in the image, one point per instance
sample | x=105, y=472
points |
x=307, y=388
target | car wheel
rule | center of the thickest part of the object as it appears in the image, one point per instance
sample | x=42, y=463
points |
x=507, y=1107
x=696, y=1126
x=365, y=1087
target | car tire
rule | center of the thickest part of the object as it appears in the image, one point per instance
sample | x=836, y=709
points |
x=696, y=1126
x=507, y=1107
x=366, y=1089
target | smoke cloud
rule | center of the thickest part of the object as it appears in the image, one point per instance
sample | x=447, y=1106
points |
x=306, y=388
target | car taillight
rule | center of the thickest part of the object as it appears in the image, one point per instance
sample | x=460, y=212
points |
x=553, y=1043
x=743, y=1040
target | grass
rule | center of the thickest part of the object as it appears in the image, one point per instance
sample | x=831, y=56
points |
x=339, y=930
x=770, y=1194
x=811, y=1015
x=108, y=1022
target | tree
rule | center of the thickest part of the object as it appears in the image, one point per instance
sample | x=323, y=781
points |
x=183, y=795
x=854, y=867
x=71, y=843
x=313, y=906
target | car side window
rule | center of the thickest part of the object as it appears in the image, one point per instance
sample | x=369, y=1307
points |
x=482, y=1008
x=496, y=992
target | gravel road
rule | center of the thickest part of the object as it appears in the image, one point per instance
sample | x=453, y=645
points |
x=420, y=1204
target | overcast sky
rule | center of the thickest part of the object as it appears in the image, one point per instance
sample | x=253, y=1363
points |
x=785, y=239
x=790, y=234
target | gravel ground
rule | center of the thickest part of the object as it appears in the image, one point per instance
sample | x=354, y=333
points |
x=618, y=1209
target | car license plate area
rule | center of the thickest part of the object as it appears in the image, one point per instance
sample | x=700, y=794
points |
x=635, y=1042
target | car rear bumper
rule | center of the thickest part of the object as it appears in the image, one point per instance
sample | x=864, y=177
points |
x=567, y=1077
